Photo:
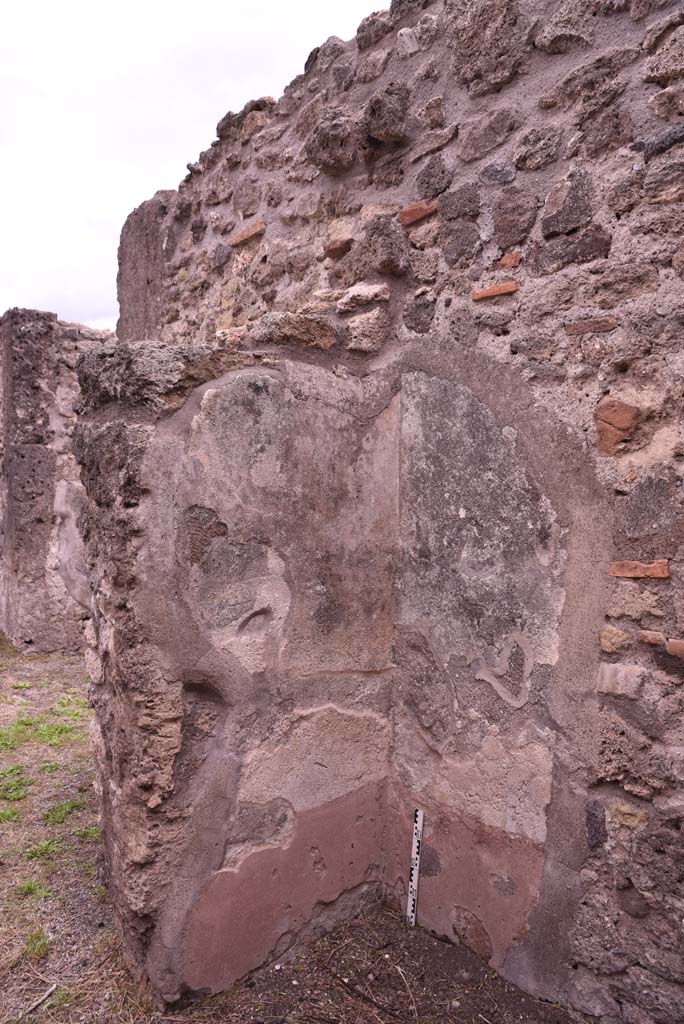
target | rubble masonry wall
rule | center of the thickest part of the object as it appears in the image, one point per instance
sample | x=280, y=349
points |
x=384, y=509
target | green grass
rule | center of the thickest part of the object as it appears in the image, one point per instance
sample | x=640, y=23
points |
x=12, y=735
x=21, y=686
x=49, y=767
x=59, y=999
x=14, y=783
x=73, y=708
x=88, y=832
x=37, y=945
x=35, y=889
x=9, y=814
x=72, y=699
x=58, y=814
x=55, y=735
x=36, y=729
x=44, y=849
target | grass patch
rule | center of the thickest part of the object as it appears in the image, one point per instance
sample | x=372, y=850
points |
x=88, y=832
x=34, y=888
x=72, y=699
x=36, y=729
x=21, y=686
x=9, y=814
x=58, y=814
x=55, y=735
x=12, y=735
x=73, y=708
x=37, y=945
x=60, y=999
x=49, y=767
x=14, y=783
x=44, y=849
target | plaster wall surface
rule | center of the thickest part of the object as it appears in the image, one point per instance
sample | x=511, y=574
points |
x=384, y=509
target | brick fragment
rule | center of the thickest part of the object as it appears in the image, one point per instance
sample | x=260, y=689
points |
x=618, y=414
x=254, y=230
x=657, y=570
x=504, y=288
x=675, y=648
x=510, y=260
x=593, y=326
x=615, y=421
x=608, y=438
x=652, y=637
x=417, y=212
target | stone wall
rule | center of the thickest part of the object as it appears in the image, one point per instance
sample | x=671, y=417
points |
x=43, y=587
x=384, y=509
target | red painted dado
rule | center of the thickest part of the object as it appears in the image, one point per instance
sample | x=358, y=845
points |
x=278, y=891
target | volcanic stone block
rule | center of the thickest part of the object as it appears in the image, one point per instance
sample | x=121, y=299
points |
x=568, y=205
x=335, y=144
x=483, y=134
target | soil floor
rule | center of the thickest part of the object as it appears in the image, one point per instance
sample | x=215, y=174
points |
x=60, y=959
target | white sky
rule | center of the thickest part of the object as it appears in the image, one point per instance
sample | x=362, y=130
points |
x=104, y=103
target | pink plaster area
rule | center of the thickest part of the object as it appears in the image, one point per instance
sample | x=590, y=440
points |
x=242, y=914
x=478, y=884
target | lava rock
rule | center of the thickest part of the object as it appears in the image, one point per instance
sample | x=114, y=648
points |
x=489, y=42
x=385, y=117
x=434, y=178
x=514, y=213
x=481, y=135
x=568, y=205
x=335, y=143
x=372, y=29
x=536, y=148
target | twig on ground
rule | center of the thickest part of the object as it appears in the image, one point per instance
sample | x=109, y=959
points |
x=34, y=1006
x=408, y=989
x=41, y=977
x=336, y=949
x=358, y=991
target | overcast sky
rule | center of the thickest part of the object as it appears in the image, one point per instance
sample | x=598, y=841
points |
x=103, y=104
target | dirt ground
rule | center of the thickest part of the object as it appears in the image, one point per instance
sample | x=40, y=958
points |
x=60, y=959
